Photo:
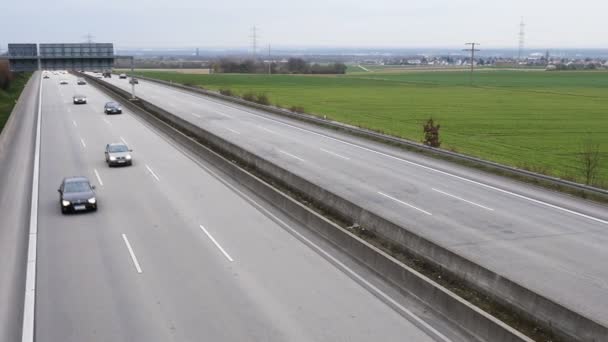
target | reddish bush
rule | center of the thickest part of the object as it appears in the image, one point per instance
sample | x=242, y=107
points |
x=5, y=75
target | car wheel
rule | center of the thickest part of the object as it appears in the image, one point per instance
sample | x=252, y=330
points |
x=64, y=210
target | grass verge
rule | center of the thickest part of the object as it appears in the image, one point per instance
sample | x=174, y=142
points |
x=9, y=97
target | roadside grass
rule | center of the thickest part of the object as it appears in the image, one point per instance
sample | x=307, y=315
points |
x=8, y=97
x=530, y=119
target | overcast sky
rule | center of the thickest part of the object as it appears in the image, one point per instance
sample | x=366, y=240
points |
x=308, y=23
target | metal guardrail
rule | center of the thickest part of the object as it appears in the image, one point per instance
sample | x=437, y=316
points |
x=387, y=138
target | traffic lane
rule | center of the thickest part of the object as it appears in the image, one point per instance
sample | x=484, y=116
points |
x=264, y=282
x=229, y=110
x=85, y=288
x=521, y=220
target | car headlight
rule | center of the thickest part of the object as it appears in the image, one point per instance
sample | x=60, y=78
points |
x=128, y=157
x=92, y=200
x=65, y=203
x=119, y=108
x=112, y=158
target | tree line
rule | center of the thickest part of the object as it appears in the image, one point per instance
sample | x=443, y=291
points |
x=292, y=66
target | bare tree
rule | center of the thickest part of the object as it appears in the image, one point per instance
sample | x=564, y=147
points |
x=431, y=133
x=590, y=160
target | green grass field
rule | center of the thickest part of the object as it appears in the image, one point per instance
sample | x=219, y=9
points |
x=8, y=97
x=531, y=119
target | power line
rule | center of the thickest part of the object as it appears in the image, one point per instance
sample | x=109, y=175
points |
x=472, y=49
x=89, y=37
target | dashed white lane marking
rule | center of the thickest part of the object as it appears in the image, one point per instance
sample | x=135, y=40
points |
x=74, y=123
x=334, y=154
x=106, y=121
x=216, y=244
x=152, y=172
x=98, y=177
x=224, y=114
x=133, y=257
x=83, y=143
x=267, y=130
x=232, y=130
x=404, y=203
x=292, y=156
x=195, y=115
x=123, y=140
x=462, y=199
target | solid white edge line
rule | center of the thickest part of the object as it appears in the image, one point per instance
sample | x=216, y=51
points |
x=82, y=142
x=410, y=162
x=292, y=156
x=232, y=130
x=98, y=177
x=335, y=154
x=152, y=172
x=404, y=203
x=29, y=300
x=216, y=243
x=350, y=272
x=133, y=257
x=462, y=199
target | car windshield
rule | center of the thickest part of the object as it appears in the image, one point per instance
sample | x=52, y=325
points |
x=111, y=104
x=118, y=148
x=80, y=186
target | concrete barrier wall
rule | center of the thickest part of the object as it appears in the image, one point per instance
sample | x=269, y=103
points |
x=473, y=320
x=17, y=143
x=552, y=316
x=560, y=183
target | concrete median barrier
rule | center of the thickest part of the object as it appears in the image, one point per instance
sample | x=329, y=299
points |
x=556, y=318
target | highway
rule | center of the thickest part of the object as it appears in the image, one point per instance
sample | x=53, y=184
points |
x=551, y=243
x=177, y=253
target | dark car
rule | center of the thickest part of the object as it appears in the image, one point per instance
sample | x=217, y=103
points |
x=112, y=108
x=133, y=80
x=79, y=99
x=76, y=194
x=118, y=154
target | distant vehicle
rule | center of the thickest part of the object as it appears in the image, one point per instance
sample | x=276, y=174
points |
x=63, y=82
x=76, y=194
x=112, y=108
x=81, y=81
x=118, y=154
x=79, y=99
x=46, y=76
x=133, y=81
x=98, y=75
x=122, y=76
x=107, y=74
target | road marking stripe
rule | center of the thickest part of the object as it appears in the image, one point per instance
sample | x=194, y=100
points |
x=267, y=130
x=29, y=300
x=74, y=123
x=152, y=172
x=231, y=130
x=406, y=204
x=291, y=155
x=335, y=154
x=69, y=110
x=196, y=115
x=124, y=141
x=98, y=177
x=410, y=162
x=462, y=199
x=223, y=114
x=106, y=121
x=82, y=142
x=133, y=257
x=216, y=244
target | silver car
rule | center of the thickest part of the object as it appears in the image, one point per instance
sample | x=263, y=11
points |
x=79, y=99
x=118, y=154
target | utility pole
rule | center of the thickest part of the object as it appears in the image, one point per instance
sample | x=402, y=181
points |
x=269, y=61
x=520, y=49
x=472, y=49
x=89, y=38
x=254, y=41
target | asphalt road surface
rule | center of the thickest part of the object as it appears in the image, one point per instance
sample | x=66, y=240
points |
x=552, y=243
x=173, y=253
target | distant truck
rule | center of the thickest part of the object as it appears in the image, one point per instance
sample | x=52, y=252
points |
x=107, y=74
